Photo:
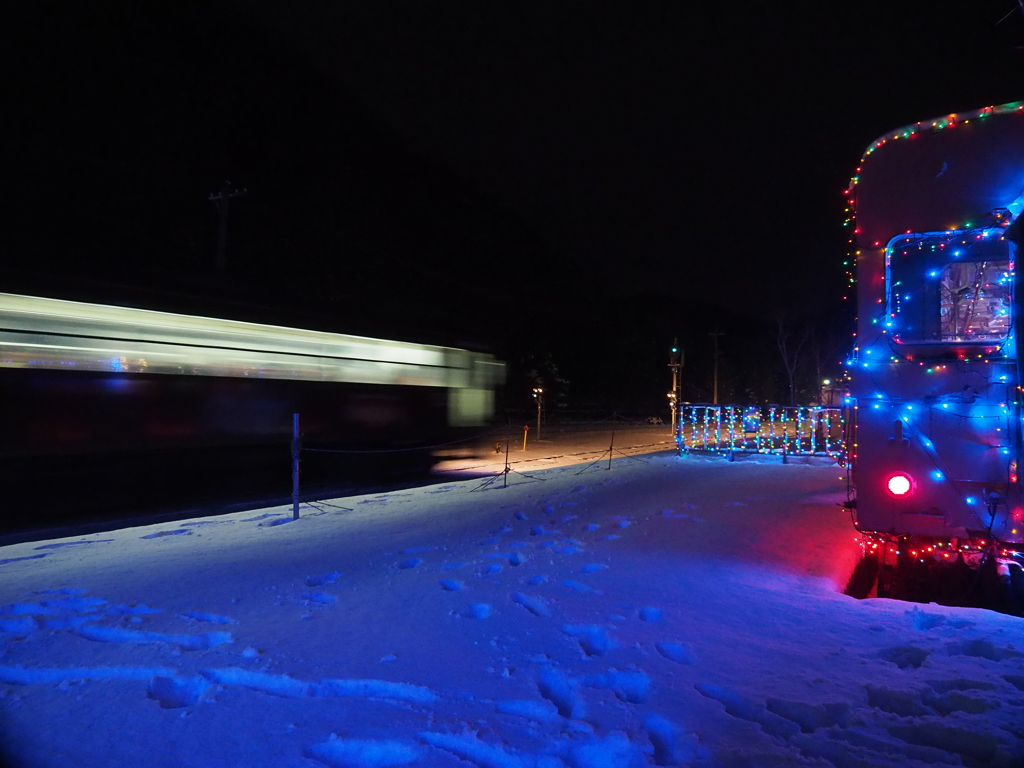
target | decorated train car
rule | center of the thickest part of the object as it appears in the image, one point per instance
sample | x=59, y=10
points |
x=112, y=410
x=934, y=437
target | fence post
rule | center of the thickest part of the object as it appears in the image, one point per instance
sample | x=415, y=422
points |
x=295, y=466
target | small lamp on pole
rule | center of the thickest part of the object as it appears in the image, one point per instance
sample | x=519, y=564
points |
x=538, y=395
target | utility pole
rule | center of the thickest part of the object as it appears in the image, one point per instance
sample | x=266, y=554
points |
x=538, y=395
x=221, y=200
x=674, y=397
x=715, y=335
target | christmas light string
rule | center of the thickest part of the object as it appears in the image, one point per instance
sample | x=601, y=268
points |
x=940, y=468
x=908, y=132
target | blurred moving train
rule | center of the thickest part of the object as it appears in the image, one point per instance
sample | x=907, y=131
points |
x=935, y=433
x=108, y=410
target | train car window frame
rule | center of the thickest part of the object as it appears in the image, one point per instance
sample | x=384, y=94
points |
x=950, y=288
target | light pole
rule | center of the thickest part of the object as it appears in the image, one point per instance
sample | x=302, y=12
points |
x=675, y=363
x=538, y=395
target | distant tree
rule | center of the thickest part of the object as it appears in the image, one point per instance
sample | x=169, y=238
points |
x=825, y=346
x=541, y=370
x=792, y=343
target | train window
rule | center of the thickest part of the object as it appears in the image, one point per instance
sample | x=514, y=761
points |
x=950, y=287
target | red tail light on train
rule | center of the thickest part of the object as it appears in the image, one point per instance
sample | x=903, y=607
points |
x=899, y=485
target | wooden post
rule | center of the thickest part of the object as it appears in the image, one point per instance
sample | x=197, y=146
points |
x=611, y=447
x=295, y=466
x=526, y=429
x=508, y=438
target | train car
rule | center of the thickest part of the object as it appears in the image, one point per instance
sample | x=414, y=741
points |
x=111, y=410
x=934, y=438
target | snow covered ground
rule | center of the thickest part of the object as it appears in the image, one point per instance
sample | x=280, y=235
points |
x=670, y=611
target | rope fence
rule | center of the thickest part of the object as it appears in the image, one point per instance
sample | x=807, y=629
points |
x=701, y=428
x=577, y=429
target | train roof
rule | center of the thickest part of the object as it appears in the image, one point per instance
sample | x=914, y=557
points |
x=948, y=173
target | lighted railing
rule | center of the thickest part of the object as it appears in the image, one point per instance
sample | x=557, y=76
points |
x=774, y=429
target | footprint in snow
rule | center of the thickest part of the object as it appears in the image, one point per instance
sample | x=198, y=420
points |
x=177, y=692
x=593, y=527
x=57, y=606
x=185, y=642
x=677, y=652
x=905, y=656
x=623, y=524
x=320, y=598
x=594, y=640
x=579, y=586
x=533, y=581
x=22, y=627
x=289, y=687
x=945, y=686
x=672, y=744
x=924, y=621
x=594, y=567
x=209, y=618
x=364, y=753
x=535, y=605
x=568, y=549
x=476, y=611
x=161, y=534
x=492, y=568
x=543, y=711
x=749, y=709
x=414, y=550
x=610, y=537
x=1017, y=681
x=262, y=517
x=520, y=516
x=650, y=614
x=61, y=544
x=452, y=585
x=983, y=649
x=319, y=581
x=411, y=562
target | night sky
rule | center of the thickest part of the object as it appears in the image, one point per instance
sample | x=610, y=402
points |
x=566, y=184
